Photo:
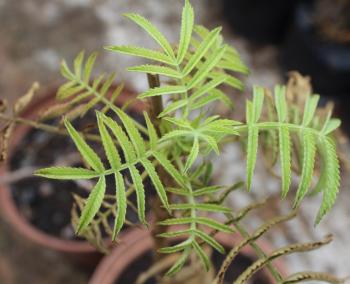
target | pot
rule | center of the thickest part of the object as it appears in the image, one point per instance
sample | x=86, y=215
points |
x=79, y=251
x=112, y=269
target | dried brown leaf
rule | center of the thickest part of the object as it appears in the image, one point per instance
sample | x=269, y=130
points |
x=25, y=100
x=298, y=88
x=5, y=136
x=3, y=105
x=54, y=111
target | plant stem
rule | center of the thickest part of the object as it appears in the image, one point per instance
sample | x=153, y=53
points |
x=46, y=127
x=156, y=107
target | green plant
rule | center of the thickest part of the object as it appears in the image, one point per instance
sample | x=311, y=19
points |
x=174, y=147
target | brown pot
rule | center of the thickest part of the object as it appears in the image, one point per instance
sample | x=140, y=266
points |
x=81, y=252
x=139, y=242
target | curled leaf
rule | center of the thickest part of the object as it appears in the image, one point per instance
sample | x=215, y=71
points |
x=5, y=135
x=24, y=101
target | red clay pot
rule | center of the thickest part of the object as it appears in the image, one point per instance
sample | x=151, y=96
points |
x=80, y=252
x=140, y=241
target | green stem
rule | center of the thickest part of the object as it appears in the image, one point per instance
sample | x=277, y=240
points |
x=276, y=125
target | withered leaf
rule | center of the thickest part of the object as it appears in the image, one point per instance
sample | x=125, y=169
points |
x=3, y=105
x=5, y=136
x=25, y=100
x=54, y=111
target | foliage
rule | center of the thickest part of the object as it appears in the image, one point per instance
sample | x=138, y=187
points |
x=178, y=142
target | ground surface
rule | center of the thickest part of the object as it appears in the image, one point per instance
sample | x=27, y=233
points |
x=36, y=34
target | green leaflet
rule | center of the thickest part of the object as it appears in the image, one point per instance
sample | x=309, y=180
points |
x=149, y=167
x=173, y=107
x=107, y=84
x=87, y=153
x=66, y=73
x=108, y=144
x=133, y=133
x=78, y=61
x=176, y=133
x=201, y=51
x=175, y=234
x=281, y=104
x=332, y=176
x=178, y=191
x=165, y=90
x=253, y=112
x=179, y=122
x=123, y=139
x=153, y=32
x=66, y=173
x=258, y=101
x=206, y=88
x=186, y=31
x=142, y=52
x=207, y=190
x=176, y=248
x=212, y=143
x=310, y=109
x=201, y=206
x=140, y=193
x=152, y=133
x=92, y=205
x=122, y=204
x=330, y=126
x=208, y=65
x=234, y=83
x=200, y=220
x=193, y=155
x=155, y=69
x=168, y=166
x=285, y=157
x=236, y=66
x=179, y=263
x=252, y=150
x=201, y=254
x=116, y=93
x=214, y=95
x=209, y=240
x=88, y=66
x=309, y=152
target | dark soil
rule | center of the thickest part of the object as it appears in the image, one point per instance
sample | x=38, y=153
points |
x=47, y=203
x=241, y=262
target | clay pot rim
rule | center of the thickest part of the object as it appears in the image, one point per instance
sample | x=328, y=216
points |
x=112, y=266
x=7, y=205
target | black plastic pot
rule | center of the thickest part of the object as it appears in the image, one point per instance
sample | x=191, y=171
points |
x=261, y=21
x=328, y=63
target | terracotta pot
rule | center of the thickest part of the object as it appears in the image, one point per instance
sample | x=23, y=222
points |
x=6, y=272
x=139, y=242
x=80, y=252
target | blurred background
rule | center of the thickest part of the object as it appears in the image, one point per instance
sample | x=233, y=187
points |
x=272, y=36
